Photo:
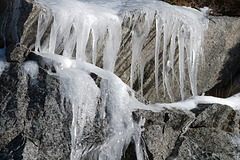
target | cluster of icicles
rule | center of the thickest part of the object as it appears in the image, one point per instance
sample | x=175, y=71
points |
x=66, y=31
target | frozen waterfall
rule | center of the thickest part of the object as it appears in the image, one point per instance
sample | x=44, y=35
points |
x=75, y=33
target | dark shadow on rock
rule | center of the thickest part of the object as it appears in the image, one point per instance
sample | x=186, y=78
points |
x=200, y=108
x=14, y=149
x=175, y=150
x=150, y=155
x=130, y=153
x=229, y=74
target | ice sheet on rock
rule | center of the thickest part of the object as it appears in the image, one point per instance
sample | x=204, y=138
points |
x=192, y=103
x=80, y=90
x=77, y=87
x=30, y=68
x=82, y=25
x=121, y=129
x=73, y=22
x=79, y=27
x=186, y=26
x=141, y=29
x=3, y=64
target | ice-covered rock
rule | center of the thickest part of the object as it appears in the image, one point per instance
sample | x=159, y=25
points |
x=37, y=120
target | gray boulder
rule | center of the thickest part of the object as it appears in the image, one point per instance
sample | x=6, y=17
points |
x=212, y=134
x=34, y=122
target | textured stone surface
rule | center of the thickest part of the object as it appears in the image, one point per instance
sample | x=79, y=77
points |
x=163, y=130
x=222, y=48
x=212, y=134
x=33, y=115
x=19, y=17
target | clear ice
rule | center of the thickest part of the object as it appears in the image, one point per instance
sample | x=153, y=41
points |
x=78, y=28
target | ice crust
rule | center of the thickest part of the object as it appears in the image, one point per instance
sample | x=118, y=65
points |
x=80, y=26
x=77, y=30
x=79, y=89
x=30, y=68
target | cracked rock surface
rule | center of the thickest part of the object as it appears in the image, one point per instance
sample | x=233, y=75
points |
x=212, y=134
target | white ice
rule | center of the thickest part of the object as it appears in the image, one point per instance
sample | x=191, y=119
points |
x=80, y=25
x=30, y=68
x=3, y=64
x=78, y=88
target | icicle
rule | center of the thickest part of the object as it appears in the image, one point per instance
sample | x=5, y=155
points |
x=83, y=32
x=172, y=54
x=140, y=32
x=157, y=50
x=43, y=24
x=112, y=44
x=169, y=90
x=80, y=89
x=181, y=60
x=165, y=43
x=141, y=70
x=94, y=47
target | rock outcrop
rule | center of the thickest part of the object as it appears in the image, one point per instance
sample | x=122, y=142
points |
x=221, y=49
x=35, y=123
x=212, y=134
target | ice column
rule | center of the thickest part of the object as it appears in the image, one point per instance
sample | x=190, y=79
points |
x=182, y=28
x=72, y=23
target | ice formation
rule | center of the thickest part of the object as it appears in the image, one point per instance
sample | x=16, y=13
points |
x=30, y=68
x=79, y=29
x=3, y=64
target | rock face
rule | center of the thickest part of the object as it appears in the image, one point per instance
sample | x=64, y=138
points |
x=35, y=123
x=221, y=49
x=222, y=46
x=30, y=116
x=212, y=134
